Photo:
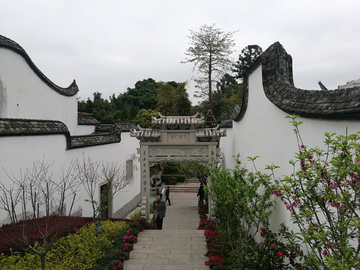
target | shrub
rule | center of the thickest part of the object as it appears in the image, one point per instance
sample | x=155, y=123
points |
x=135, y=215
x=323, y=198
x=112, y=228
x=75, y=251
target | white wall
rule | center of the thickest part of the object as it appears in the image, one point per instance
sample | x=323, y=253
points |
x=24, y=95
x=21, y=152
x=83, y=130
x=265, y=132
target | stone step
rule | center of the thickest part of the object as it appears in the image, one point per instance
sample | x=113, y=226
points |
x=184, y=189
x=192, y=180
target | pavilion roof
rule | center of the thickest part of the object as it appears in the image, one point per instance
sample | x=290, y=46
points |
x=210, y=134
x=181, y=122
x=146, y=134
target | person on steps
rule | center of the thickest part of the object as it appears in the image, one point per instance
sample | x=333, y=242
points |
x=159, y=208
x=201, y=193
x=167, y=194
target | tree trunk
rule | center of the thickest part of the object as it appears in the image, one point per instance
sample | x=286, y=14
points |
x=42, y=259
x=210, y=90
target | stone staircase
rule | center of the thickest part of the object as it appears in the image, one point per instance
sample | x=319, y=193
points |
x=191, y=185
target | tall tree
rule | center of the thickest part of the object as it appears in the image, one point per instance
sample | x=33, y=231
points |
x=143, y=96
x=226, y=97
x=247, y=56
x=173, y=99
x=210, y=50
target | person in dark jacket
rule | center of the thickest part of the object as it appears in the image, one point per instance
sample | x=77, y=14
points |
x=201, y=193
x=167, y=194
x=159, y=208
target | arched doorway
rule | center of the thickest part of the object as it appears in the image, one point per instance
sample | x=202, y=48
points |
x=179, y=138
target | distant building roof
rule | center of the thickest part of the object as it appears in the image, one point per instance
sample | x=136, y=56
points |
x=146, y=135
x=351, y=84
x=181, y=122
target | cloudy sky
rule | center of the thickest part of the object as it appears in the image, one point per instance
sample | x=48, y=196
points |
x=107, y=45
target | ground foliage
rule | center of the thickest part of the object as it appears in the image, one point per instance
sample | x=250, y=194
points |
x=77, y=250
x=323, y=198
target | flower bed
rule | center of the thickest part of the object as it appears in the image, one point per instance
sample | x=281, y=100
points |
x=214, y=252
x=58, y=227
x=77, y=238
x=79, y=250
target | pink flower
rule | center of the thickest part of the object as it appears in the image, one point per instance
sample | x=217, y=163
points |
x=280, y=254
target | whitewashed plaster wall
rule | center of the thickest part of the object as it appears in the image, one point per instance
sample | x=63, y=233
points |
x=265, y=132
x=24, y=95
x=20, y=152
x=83, y=130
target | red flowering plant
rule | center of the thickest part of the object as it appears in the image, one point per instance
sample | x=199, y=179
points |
x=213, y=252
x=323, y=198
x=116, y=265
x=214, y=261
x=206, y=225
x=211, y=236
x=119, y=255
x=130, y=239
x=201, y=208
x=203, y=216
x=133, y=232
x=278, y=251
x=135, y=225
x=127, y=247
x=150, y=225
x=142, y=221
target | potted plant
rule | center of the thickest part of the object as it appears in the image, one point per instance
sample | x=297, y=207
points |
x=123, y=253
x=119, y=255
x=131, y=239
x=133, y=232
x=172, y=180
x=214, y=261
x=116, y=265
x=142, y=223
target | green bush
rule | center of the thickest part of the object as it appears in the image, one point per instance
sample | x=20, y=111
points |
x=171, y=168
x=109, y=255
x=135, y=215
x=179, y=178
x=76, y=251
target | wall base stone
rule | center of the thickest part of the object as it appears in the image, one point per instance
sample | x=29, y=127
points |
x=127, y=208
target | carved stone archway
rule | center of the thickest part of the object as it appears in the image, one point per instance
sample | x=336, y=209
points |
x=179, y=138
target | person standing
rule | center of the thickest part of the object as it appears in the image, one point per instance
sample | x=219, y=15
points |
x=201, y=193
x=159, y=208
x=167, y=195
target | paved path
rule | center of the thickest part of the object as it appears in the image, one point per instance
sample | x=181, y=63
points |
x=179, y=246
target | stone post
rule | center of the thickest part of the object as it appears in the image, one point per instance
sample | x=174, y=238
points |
x=145, y=181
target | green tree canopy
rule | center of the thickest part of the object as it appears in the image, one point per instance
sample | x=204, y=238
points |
x=143, y=96
x=209, y=51
x=247, y=56
x=101, y=109
x=143, y=118
x=228, y=94
x=173, y=99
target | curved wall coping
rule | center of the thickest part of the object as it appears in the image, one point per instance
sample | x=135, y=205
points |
x=278, y=85
x=13, y=46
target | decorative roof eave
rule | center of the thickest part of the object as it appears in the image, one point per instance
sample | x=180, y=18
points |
x=12, y=45
x=146, y=135
x=210, y=134
x=174, y=122
x=278, y=85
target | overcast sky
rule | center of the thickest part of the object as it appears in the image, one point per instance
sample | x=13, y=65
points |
x=107, y=46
